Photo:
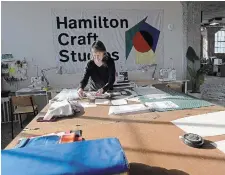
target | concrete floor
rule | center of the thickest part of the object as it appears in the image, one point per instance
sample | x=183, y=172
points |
x=213, y=90
x=6, y=131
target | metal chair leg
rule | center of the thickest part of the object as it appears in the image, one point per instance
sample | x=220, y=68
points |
x=34, y=113
x=21, y=122
x=12, y=117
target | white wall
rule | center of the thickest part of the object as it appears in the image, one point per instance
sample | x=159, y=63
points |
x=27, y=32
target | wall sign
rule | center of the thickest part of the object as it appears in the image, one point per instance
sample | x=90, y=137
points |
x=133, y=38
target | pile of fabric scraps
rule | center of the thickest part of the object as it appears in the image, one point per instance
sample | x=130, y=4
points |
x=50, y=139
x=57, y=109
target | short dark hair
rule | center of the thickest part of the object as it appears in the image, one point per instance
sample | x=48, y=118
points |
x=98, y=46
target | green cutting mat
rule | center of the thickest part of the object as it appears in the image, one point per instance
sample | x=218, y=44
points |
x=182, y=100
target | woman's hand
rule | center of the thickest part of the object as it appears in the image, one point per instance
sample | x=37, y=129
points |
x=99, y=92
x=80, y=92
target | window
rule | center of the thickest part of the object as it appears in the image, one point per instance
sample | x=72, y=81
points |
x=220, y=42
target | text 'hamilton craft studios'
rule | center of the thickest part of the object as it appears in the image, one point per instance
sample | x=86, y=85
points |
x=64, y=39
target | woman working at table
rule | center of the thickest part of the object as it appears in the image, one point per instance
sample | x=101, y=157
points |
x=100, y=69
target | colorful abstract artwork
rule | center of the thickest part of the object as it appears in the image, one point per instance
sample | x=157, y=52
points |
x=144, y=38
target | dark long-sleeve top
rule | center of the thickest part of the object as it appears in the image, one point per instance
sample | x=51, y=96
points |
x=100, y=77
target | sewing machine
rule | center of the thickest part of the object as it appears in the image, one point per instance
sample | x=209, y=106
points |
x=167, y=74
x=36, y=83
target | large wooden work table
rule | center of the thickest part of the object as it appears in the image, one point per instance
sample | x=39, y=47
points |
x=150, y=141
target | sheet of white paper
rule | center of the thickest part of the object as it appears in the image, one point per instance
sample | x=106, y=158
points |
x=220, y=145
x=210, y=124
x=147, y=90
x=161, y=105
x=156, y=96
x=102, y=101
x=127, y=109
x=134, y=99
x=87, y=105
x=119, y=102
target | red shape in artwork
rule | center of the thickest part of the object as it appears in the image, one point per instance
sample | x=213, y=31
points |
x=140, y=44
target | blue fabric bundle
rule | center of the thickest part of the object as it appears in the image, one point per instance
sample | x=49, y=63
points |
x=38, y=141
x=102, y=156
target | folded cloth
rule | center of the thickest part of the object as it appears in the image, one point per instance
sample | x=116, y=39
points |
x=58, y=109
x=101, y=156
x=50, y=139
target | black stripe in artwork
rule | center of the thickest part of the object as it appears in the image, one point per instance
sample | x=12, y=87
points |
x=148, y=37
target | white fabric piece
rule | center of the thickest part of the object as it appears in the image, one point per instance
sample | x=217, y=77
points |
x=119, y=102
x=67, y=94
x=102, y=102
x=61, y=108
x=127, y=109
x=134, y=99
x=156, y=96
x=161, y=105
x=210, y=124
x=87, y=105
